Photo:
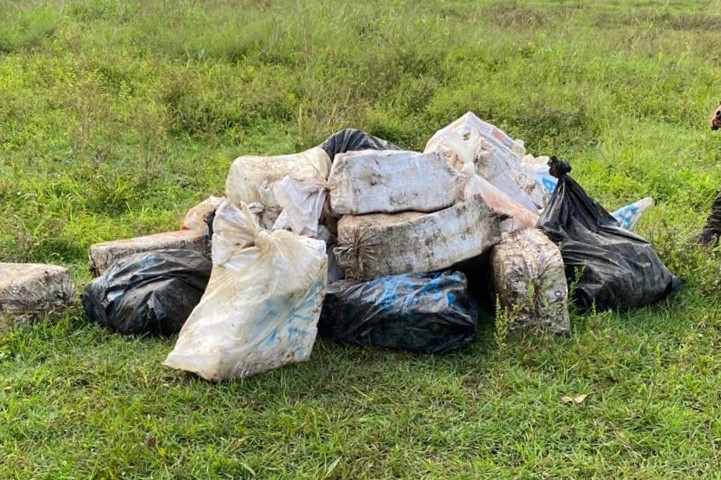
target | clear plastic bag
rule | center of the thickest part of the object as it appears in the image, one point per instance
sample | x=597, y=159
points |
x=488, y=168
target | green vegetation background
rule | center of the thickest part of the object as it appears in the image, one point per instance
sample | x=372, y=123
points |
x=118, y=115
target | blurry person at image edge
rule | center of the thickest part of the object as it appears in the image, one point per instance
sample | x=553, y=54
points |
x=709, y=236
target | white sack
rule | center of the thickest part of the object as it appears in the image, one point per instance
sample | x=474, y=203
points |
x=251, y=178
x=302, y=205
x=495, y=156
x=262, y=304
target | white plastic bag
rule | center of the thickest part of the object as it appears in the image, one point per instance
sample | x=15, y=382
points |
x=262, y=304
x=251, y=178
x=488, y=168
x=498, y=143
x=302, y=203
x=495, y=156
x=537, y=169
x=232, y=231
x=390, y=181
x=629, y=215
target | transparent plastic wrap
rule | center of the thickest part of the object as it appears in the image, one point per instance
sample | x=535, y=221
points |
x=490, y=169
x=494, y=155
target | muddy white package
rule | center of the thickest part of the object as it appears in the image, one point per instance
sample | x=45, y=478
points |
x=371, y=246
x=29, y=291
x=385, y=181
x=251, y=178
x=103, y=255
x=261, y=307
x=302, y=204
x=530, y=281
x=495, y=156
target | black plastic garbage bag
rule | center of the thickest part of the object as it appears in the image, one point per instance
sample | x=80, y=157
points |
x=617, y=269
x=148, y=293
x=352, y=139
x=429, y=312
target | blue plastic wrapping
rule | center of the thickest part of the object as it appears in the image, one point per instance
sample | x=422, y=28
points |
x=429, y=312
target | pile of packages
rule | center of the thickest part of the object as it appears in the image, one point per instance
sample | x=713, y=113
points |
x=368, y=244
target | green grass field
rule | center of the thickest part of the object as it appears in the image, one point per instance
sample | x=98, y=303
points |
x=118, y=115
